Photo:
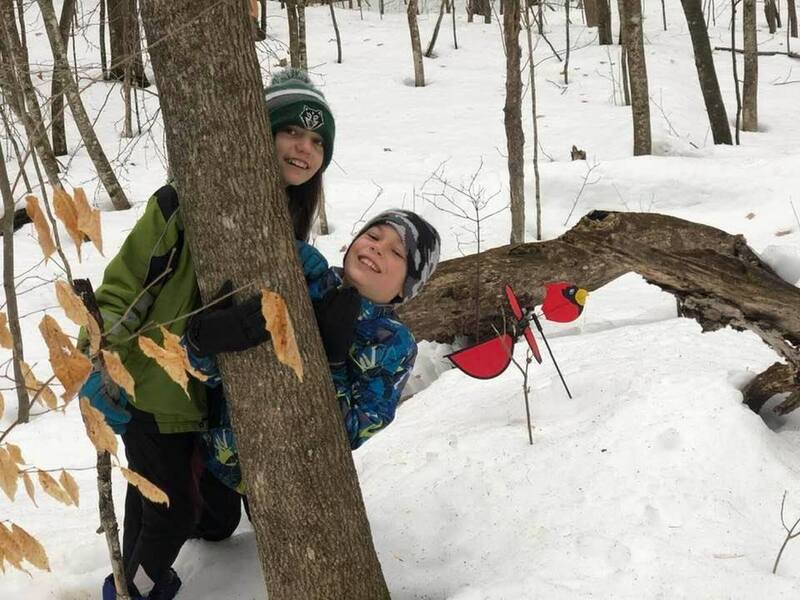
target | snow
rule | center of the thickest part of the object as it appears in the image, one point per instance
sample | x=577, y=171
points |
x=654, y=481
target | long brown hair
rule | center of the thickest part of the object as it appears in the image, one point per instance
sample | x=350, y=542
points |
x=304, y=201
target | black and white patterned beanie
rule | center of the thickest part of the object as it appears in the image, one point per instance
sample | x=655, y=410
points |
x=422, y=246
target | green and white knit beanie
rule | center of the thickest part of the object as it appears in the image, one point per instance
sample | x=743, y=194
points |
x=422, y=244
x=293, y=100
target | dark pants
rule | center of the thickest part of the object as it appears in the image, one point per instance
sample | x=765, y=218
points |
x=199, y=505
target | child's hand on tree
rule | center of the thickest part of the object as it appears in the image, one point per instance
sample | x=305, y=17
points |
x=336, y=318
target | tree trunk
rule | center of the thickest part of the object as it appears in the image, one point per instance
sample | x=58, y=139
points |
x=515, y=138
x=416, y=46
x=294, y=34
x=82, y=121
x=750, y=86
x=735, y=70
x=792, y=9
x=718, y=280
x=302, y=48
x=772, y=15
x=532, y=75
x=455, y=37
x=486, y=6
x=640, y=98
x=566, y=52
x=470, y=6
x=706, y=73
x=591, y=10
x=57, y=95
x=309, y=519
x=338, y=35
x=429, y=51
x=20, y=91
x=102, y=40
x=604, y=23
x=122, y=14
x=23, y=410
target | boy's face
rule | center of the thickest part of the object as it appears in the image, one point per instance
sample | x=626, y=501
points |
x=376, y=264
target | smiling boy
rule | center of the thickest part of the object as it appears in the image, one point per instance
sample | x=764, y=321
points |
x=370, y=351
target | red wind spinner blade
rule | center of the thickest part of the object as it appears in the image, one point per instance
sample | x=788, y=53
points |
x=563, y=302
x=485, y=360
x=512, y=300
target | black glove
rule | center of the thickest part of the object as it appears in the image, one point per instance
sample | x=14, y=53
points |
x=337, y=313
x=227, y=326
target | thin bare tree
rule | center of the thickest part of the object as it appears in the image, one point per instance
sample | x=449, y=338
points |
x=56, y=95
x=735, y=70
x=429, y=51
x=515, y=137
x=706, y=73
x=637, y=67
x=416, y=45
x=12, y=312
x=750, y=86
x=532, y=86
x=81, y=118
x=336, y=29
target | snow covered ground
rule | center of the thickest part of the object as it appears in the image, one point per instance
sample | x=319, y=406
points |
x=653, y=481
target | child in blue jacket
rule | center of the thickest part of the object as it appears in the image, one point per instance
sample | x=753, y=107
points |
x=370, y=352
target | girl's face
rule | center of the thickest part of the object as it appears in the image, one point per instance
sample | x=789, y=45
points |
x=376, y=264
x=300, y=153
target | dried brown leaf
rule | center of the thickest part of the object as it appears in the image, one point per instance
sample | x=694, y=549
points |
x=29, y=487
x=253, y=9
x=41, y=225
x=280, y=327
x=782, y=232
x=750, y=216
x=172, y=358
x=64, y=208
x=69, y=364
x=118, y=373
x=10, y=548
x=101, y=435
x=6, y=341
x=16, y=454
x=73, y=306
x=88, y=219
x=148, y=489
x=51, y=487
x=33, y=385
x=31, y=549
x=69, y=484
x=9, y=473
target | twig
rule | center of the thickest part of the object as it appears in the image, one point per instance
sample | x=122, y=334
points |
x=790, y=535
x=583, y=185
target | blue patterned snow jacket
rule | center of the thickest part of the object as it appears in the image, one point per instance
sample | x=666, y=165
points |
x=368, y=384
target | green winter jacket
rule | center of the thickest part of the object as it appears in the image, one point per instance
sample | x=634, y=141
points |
x=154, y=276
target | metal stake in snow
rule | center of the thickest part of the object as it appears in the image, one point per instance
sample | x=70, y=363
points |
x=549, y=351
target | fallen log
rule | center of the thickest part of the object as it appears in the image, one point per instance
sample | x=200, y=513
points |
x=716, y=278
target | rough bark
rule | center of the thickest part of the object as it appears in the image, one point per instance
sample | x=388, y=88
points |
x=792, y=9
x=102, y=39
x=56, y=94
x=311, y=528
x=718, y=280
x=416, y=45
x=18, y=87
x=432, y=44
x=637, y=68
x=515, y=137
x=604, y=23
x=302, y=47
x=82, y=121
x=17, y=355
x=750, y=85
x=706, y=73
x=294, y=34
x=591, y=10
x=772, y=15
x=125, y=41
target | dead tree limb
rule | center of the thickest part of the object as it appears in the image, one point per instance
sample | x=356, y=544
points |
x=717, y=279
